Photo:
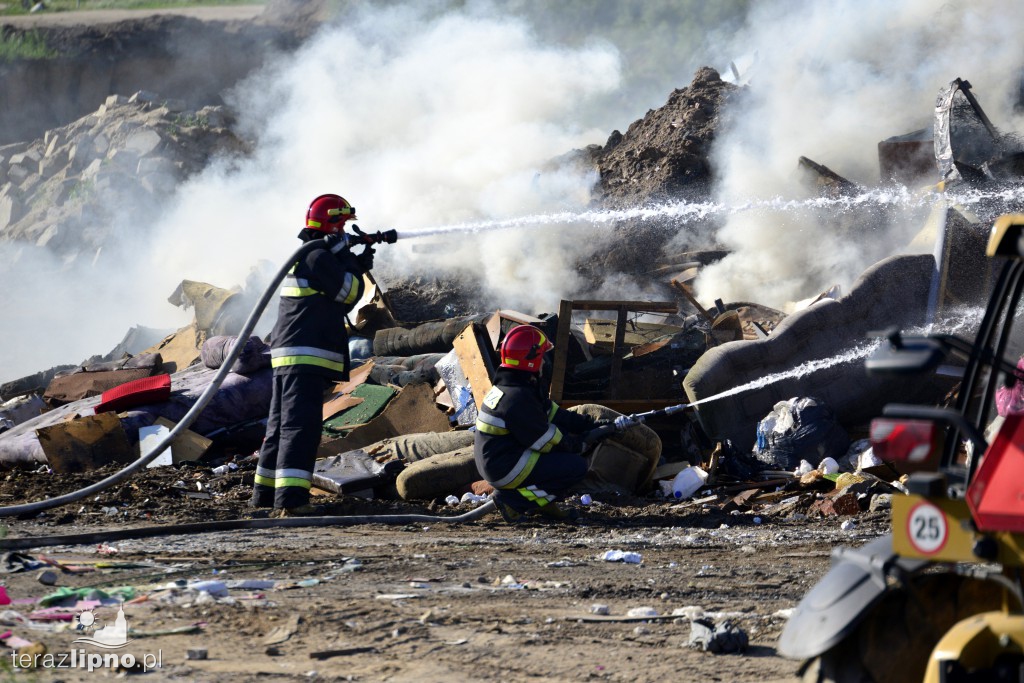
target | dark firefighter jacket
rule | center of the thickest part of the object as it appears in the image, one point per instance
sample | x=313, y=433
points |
x=316, y=295
x=516, y=425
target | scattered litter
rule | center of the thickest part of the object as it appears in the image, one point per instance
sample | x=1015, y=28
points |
x=216, y=589
x=642, y=612
x=848, y=525
x=724, y=638
x=690, y=612
x=620, y=556
x=47, y=577
x=345, y=652
x=585, y=499
x=688, y=482
x=196, y=653
x=599, y=609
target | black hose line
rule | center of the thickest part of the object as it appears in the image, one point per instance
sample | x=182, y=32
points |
x=28, y=542
x=29, y=509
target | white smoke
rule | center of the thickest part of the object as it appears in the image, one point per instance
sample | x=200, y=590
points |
x=424, y=118
x=416, y=118
x=417, y=121
x=832, y=81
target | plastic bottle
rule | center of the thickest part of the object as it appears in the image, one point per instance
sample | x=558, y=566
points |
x=688, y=482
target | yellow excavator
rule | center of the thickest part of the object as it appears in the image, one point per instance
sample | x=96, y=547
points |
x=940, y=599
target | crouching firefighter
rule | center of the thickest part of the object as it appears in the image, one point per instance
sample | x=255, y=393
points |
x=526, y=447
x=309, y=351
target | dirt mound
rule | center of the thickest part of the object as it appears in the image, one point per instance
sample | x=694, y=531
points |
x=665, y=154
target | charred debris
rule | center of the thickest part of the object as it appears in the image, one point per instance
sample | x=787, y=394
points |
x=757, y=437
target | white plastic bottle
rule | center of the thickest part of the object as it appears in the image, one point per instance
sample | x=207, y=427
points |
x=688, y=482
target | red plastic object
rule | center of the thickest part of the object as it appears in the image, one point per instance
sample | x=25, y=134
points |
x=895, y=440
x=996, y=496
x=139, y=392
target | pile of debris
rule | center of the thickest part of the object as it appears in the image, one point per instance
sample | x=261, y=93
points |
x=401, y=427
x=58, y=192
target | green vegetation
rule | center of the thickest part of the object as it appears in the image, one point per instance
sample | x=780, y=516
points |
x=28, y=45
x=13, y=7
x=189, y=121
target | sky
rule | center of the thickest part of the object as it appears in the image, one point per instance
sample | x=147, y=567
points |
x=430, y=120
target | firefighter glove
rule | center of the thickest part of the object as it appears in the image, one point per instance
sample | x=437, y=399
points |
x=366, y=259
x=624, y=422
x=572, y=444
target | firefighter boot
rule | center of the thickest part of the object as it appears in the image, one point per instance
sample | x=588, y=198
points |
x=557, y=512
x=307, y=510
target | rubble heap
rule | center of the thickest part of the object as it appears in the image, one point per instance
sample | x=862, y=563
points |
x=664, y=155
x=58, y=192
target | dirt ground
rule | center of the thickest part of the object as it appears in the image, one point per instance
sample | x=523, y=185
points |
x=478, y=601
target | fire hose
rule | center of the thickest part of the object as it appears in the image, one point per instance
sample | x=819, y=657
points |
x=29, y=509
x=624, y=422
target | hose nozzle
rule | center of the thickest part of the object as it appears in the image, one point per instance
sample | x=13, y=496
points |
x=369, y=238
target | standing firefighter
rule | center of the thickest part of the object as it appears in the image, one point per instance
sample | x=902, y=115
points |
x=528, y=448
x=309, y=350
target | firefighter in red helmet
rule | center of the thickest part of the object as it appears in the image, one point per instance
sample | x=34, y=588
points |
x=526, y=447
x=309, y=351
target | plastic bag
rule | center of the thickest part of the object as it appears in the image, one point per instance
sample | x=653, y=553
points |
x=799, y=429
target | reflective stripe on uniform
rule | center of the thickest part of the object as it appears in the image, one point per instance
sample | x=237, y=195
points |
x=548, y=440
x=296, y=287
x=288, y=476
x=306, y=355
x=292, y=481
x=283, y=473
x=519, y=472
x=349, y=291
x=489, y=424
x=289, y=360
x=551, y=413
x=536, y=495
x=488, y=429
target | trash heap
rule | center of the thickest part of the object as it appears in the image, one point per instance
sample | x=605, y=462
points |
x=756, y=438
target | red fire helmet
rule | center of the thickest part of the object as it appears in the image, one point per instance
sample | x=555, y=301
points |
x=328, y=213
x=524, y=348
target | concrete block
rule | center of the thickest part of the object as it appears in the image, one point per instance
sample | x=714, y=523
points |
x=143, y=97
x=155, y=165
x=90, y=171
x=143, y=141
x=11, y=209
x=123, y=158
x=17, y=174
x=101, y=144
x=53, y=145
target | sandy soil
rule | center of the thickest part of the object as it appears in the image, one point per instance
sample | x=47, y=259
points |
x=481, y=601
